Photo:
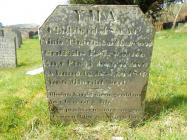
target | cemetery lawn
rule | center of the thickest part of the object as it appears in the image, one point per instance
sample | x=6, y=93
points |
x=24, y=109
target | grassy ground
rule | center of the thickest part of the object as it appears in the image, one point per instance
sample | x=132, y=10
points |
x=24, y=109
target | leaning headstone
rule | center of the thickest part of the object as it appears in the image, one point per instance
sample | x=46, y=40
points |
x=96, y=62
x=19, y=37
x=8, y=56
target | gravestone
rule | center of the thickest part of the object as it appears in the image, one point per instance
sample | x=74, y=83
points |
x=15, y=34
x=96, y=62
x=18, y=37
x=8, y=56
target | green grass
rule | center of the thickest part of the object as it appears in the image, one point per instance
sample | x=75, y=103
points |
x=24, y=109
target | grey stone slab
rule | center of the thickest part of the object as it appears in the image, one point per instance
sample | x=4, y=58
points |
x=8, y=57
x=96, y=62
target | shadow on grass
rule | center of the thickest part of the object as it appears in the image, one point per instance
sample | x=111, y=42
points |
x=155, y=107
x=21, y=64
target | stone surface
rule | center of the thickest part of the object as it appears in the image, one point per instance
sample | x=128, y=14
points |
x=8, y=56
x=96, y=62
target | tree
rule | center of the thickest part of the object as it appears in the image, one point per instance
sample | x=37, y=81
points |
x=151, y=7
x=145, y=5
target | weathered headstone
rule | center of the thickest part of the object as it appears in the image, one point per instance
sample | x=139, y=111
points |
x=8, y=56
x=18, y=36
x=15, y=34
x=96, y=62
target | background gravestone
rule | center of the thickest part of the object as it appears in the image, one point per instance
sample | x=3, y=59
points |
x=15, y=34
x=8, y=56
x=96, y=60
x=19, y=37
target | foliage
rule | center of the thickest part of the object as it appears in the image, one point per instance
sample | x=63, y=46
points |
x=151, y=7
x=145, y=5
x=24, y=109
